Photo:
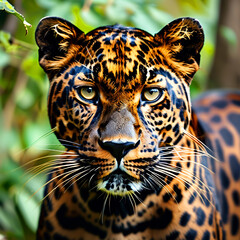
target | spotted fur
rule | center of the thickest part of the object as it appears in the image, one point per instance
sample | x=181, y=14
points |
x=140, y=161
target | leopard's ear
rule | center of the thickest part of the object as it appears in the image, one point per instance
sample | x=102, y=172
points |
x=180, y=43
x=58, y=41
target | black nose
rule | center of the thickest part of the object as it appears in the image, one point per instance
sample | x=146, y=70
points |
x=118, y=150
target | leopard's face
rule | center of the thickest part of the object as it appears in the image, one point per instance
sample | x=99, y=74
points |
x=119, y=96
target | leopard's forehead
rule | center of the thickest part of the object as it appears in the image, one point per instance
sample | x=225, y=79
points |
x=120, y=58
x=112, y=34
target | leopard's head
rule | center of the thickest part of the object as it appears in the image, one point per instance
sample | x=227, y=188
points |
x=119, y=96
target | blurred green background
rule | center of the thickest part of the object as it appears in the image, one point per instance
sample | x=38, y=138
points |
x=24, y=125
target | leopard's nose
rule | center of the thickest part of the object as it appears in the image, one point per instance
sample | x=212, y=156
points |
x=118, y=150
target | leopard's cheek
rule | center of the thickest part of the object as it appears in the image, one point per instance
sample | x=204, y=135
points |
x=167, y=122
x=73, y=125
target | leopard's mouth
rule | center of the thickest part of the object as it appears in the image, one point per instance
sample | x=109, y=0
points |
x=119, y=183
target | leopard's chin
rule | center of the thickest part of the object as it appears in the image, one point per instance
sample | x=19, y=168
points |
x=119, y=183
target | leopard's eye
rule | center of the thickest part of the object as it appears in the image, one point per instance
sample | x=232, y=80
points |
x=151, y=94
x=89, y=93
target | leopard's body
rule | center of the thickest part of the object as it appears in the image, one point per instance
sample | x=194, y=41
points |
x=136, y=165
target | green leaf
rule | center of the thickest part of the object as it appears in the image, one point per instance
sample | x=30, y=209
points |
x=159, y=16
x=8, y=218
x=5, y=38
x=116, y=12
x=29, y=208
x=92, y=18
x=229, y=35
x=78, y=20
x=141, y=20
x=47, y=4
x=31, y=67
x=25, y=99
x=5, y=58
x=5, y=43
x=62, y=9
x=5, y=5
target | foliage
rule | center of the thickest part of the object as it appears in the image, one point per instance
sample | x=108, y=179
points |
x=5, y=5
x=24, y=88
x=229, y=35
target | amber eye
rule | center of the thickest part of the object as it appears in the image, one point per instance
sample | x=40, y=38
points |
x=151, y=94
x=88, y=94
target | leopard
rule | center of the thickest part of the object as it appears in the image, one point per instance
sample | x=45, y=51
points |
x=141, y=160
